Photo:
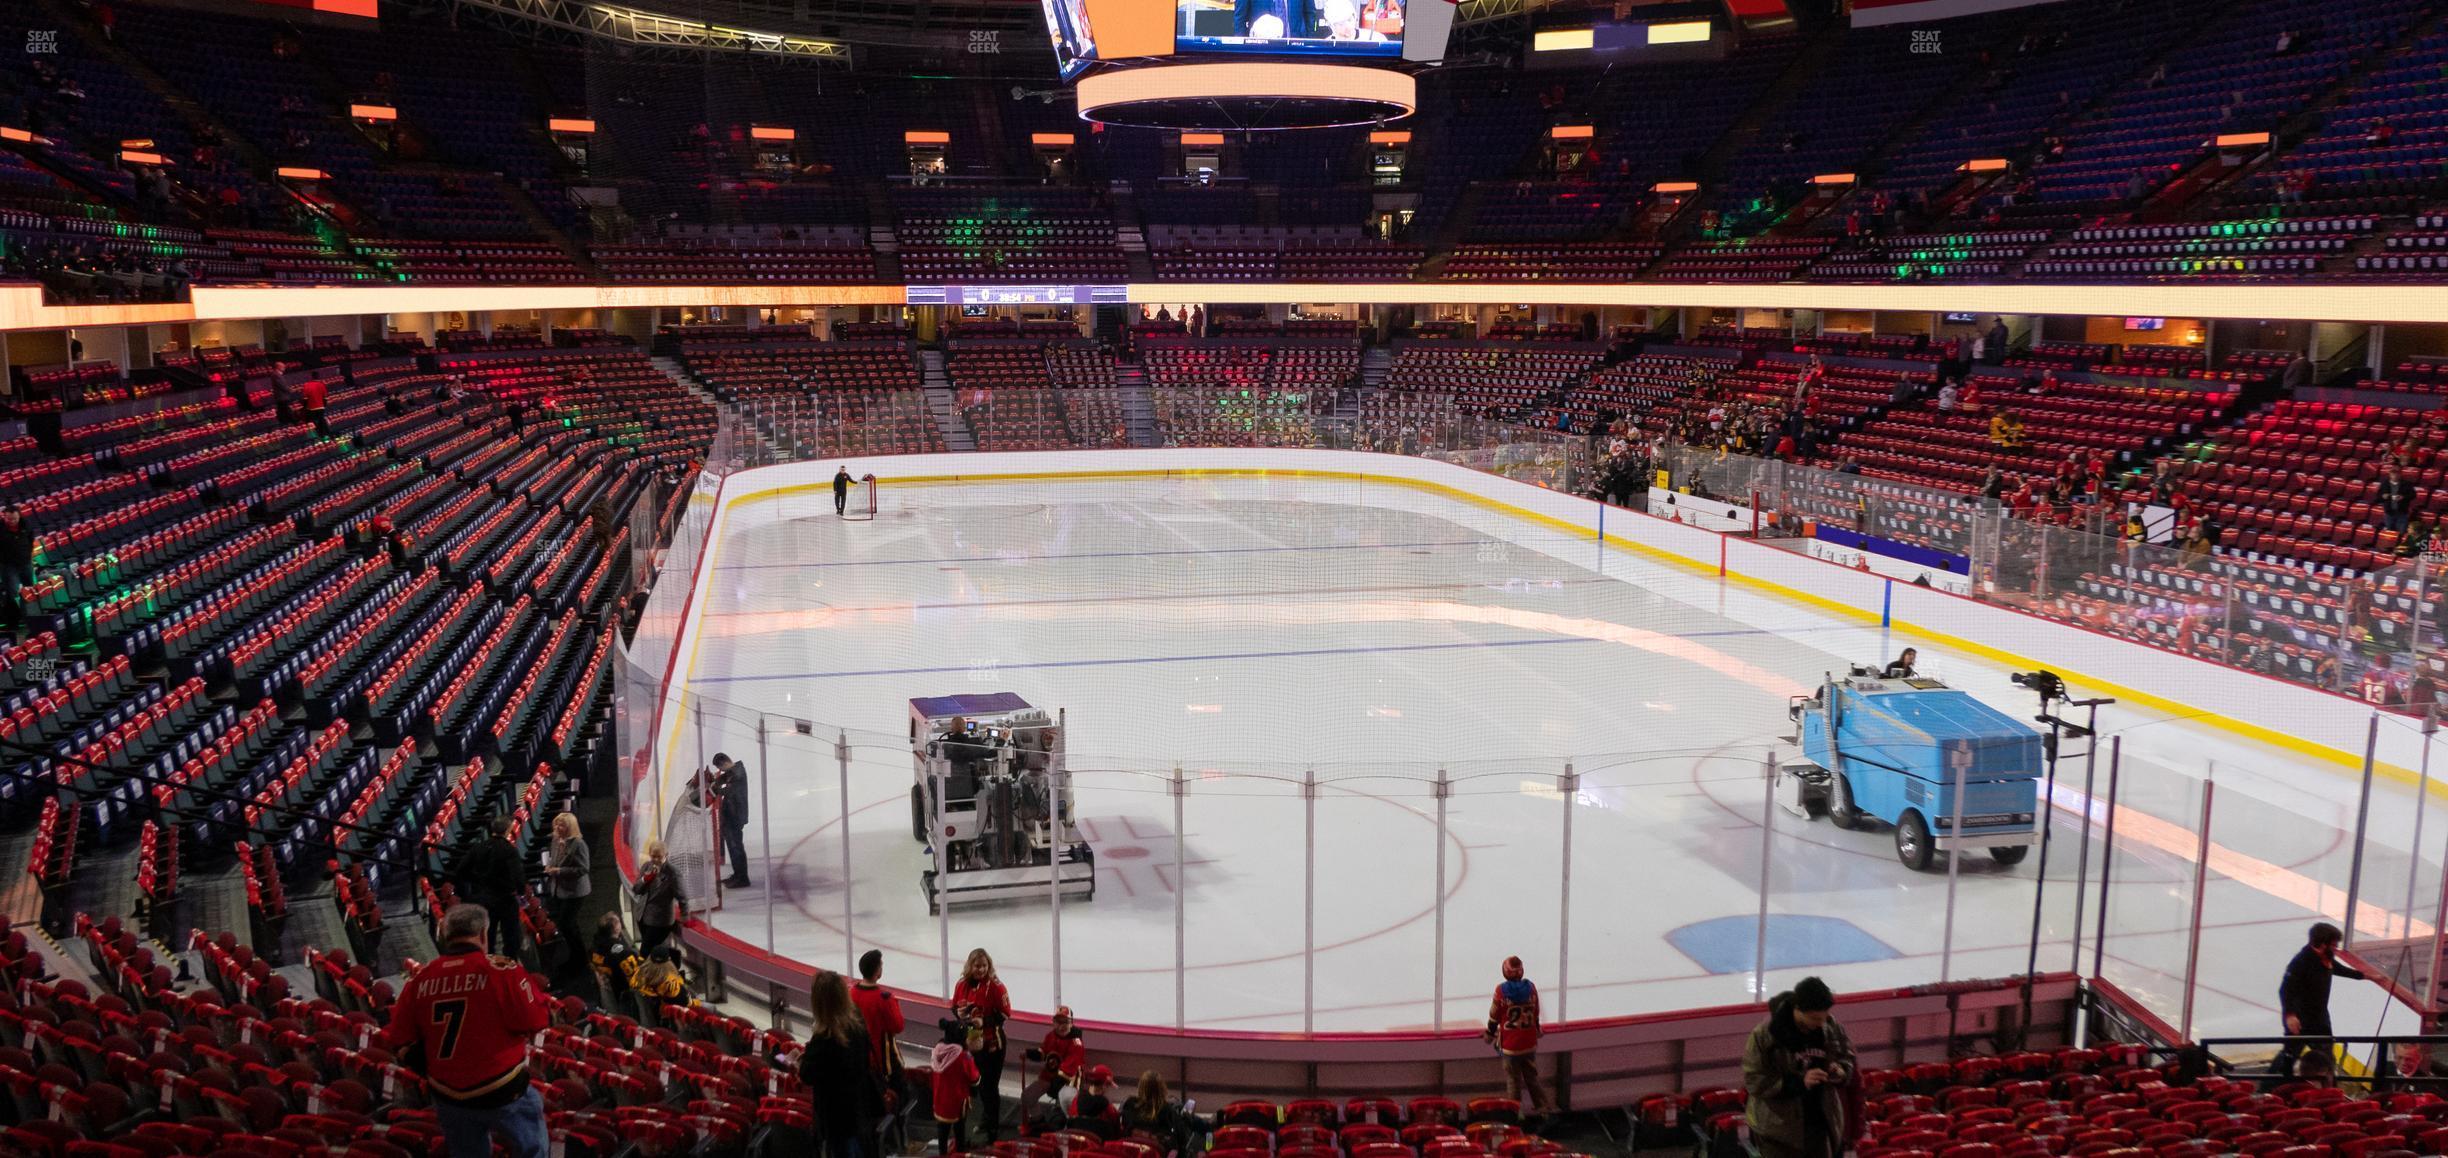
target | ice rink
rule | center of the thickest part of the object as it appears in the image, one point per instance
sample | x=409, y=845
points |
x=1256, y=632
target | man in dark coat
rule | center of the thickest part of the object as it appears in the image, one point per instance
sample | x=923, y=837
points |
x=1795, y=1066
x=731, y=791
x=16, y=561
x=2303, y=995
x=491, y=873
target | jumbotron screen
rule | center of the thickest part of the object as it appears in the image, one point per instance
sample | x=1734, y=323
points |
x=1074, y=41
x=1291, y=27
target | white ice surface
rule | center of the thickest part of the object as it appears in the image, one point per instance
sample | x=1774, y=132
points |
x=1250, y=631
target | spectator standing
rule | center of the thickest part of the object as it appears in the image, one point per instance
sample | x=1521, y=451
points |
x=16, y=561
x=491, y=873
x=2298, y=372
x=980, y=999
x=731, y=789
x=311, y=398
x=2303, y=995
x=848, y=1101
x=880, y=1012
x=660, y=905
x=615, y=958
x=841, y=489
x=2380, y=684
x=954, y=1079
x=1793, y=1067
x=1513, y=1028
x=463, y=1022
x=568, y=872
x=2396, y=497
x=1997, y=341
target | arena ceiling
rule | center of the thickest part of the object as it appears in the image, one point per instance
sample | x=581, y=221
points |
x=903, y=23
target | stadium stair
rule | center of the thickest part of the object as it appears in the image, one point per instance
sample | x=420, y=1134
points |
x=938, y=386
x=1814, y=55
x=1138, y=406
x=544, y=228
x=1129, y=236
x=880, y=238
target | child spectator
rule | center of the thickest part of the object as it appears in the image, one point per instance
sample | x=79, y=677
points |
x=1093, y=1110
x=956, y=1077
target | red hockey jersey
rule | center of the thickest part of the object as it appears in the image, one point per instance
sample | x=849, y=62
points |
x=468, y=1017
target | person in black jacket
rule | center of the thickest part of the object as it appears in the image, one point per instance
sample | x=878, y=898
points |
x=2396, y=498
x=2303, y=995
x=848, y=1101
x=16, y=560
x=491, y=874
x=731, y=790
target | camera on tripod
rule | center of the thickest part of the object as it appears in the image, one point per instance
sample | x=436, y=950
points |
x=2048, y=685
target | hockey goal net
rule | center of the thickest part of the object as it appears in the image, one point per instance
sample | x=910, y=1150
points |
x=862, y=501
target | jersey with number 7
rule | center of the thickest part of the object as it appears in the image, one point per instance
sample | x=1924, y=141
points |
x=465, y=1020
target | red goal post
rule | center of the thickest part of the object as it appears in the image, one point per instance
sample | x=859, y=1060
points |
x=862, y=501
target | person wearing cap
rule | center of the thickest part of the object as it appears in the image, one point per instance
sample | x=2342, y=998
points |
x=1093, y=1110
x=1513, y=1028
x=1059, y=1061
x=1793, y=1067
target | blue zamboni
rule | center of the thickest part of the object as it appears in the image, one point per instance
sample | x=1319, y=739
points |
x=1892, y=751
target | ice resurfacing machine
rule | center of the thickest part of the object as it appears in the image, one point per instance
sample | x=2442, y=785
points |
x=992, y=802
x=1896, y=751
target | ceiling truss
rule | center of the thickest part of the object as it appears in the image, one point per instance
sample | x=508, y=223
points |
x=654, y=31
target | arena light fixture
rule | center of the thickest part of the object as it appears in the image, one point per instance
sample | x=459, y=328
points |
x=1563, y=39
x=140, y=157
x=642, y=27
x=570, y=125
x=2242, y=140
x=1675, y=187
x=1681, y=32
x=1194, y=140
x=772, y=133
x=295, y=173
x=1053, y=140
x=137, y=143
x=20, y=136
x=926, y=137
x=373, y=113
x=1572, y=132
x=1826, y=179
x=1247, y=95
x=1983, y=165
x=1390, y=137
